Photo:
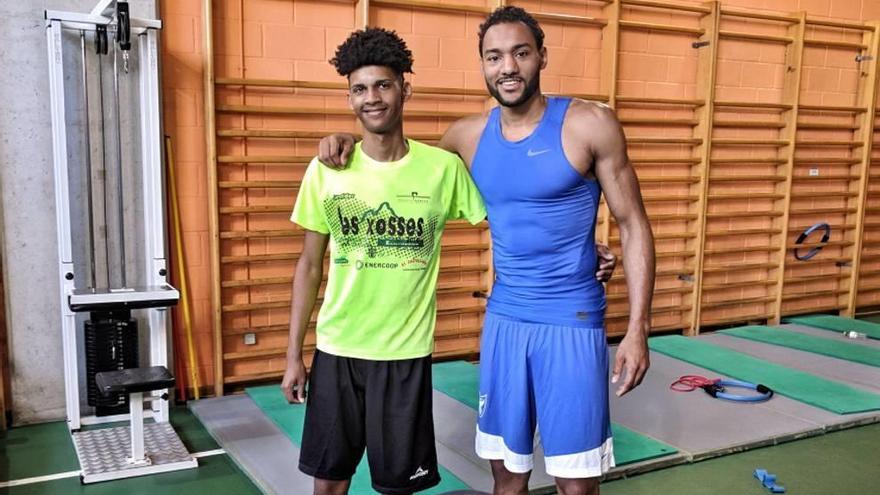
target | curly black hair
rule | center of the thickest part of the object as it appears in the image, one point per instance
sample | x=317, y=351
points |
x=372, y=46
x=512, y=14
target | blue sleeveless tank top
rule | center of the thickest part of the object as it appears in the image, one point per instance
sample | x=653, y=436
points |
x=542, y=216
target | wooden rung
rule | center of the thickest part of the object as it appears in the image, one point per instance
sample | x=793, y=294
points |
x=264, y=159
x=654, y=311
x=746, y=195
x=753, y=104
x=840, y=24
x=658, y=122
x=253, y=377
x=735, y=319
x=259, y=258
x=827, y=161
x=263, y=109
x=808, y=143
x=660, y=272
x=741, y=250
x=747, y=178
x=661, y=237
x=750, y=124
x=236, y=284
x=818, y=278
x=280, y=83
x=669, y=198
x=814, y=294
x=738, y=285
x=753, y=36
x=808, y=245
x=261, y=329
x=233, y=308
x=227, y=210
x=260, y=234
x=257, y=354
x=870, y=257
x=825, y=177
x=677, y=7
x=824, y=195
x=270, y=133
x=663, y=140
x=457, y=248
x=827, y=126
x=669, y=179
x=460, y=311
x=777, y=161
x=820, y=261
x=824, y=211
x=657, y=292
x=572, y=19
x=669, y=217
x=260, y=184
x=665, y=161
x=835, y=44
x=752, y=14
x=655, y=329
x=668, y=28
x=726, y=233
x=739, y=267
x=797, y=228
x=832, y=108
x=424, y=5
x=674, y=254
x=744, y=214
x=750, y=142
x=288, y=134
x=658, y=101
x=737, y=302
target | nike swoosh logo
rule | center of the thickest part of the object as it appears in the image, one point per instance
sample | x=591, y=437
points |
x=531, y=153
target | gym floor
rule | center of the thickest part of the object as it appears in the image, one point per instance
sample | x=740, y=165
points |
x=843, y=462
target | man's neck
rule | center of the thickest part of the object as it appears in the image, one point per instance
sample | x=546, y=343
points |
x=388, y=147
x=527, y=114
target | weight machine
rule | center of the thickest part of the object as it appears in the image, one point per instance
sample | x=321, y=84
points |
x=114, y=378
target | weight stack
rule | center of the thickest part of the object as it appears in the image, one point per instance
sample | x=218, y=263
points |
x=111, y=344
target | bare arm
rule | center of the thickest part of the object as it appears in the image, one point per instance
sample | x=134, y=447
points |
x=463, y=136
x=306, y=281
x=621, y=188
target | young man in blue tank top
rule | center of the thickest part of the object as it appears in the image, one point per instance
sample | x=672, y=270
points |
x=541, y=163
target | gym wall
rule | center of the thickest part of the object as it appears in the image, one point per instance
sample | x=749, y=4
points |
x=739, y=143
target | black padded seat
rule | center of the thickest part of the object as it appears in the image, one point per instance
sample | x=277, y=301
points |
x=134, y=380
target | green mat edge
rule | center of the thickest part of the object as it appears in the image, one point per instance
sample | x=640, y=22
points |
x=271, y=401
x=623, y=436
x=725, y=372
x=738, y=332
x=872, y=330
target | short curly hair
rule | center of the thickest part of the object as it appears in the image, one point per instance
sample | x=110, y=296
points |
x=510, y=13
x=372, y=46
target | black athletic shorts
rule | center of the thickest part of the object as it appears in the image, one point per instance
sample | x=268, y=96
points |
x=384, y=406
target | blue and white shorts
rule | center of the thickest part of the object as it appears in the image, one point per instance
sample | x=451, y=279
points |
x=551, y=377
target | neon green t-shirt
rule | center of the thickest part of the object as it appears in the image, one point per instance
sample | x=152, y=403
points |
x=384, y=220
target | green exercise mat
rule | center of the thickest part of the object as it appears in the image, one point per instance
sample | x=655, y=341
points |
x=290, y=418
x=837, y=324
x=461, y=380
x=835, y=348
x=798, y=385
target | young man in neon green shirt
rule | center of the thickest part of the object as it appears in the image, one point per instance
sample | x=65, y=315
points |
x=370, y=384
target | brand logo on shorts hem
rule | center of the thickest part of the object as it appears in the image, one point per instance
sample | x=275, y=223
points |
x=482, y=407
x=419, y=473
